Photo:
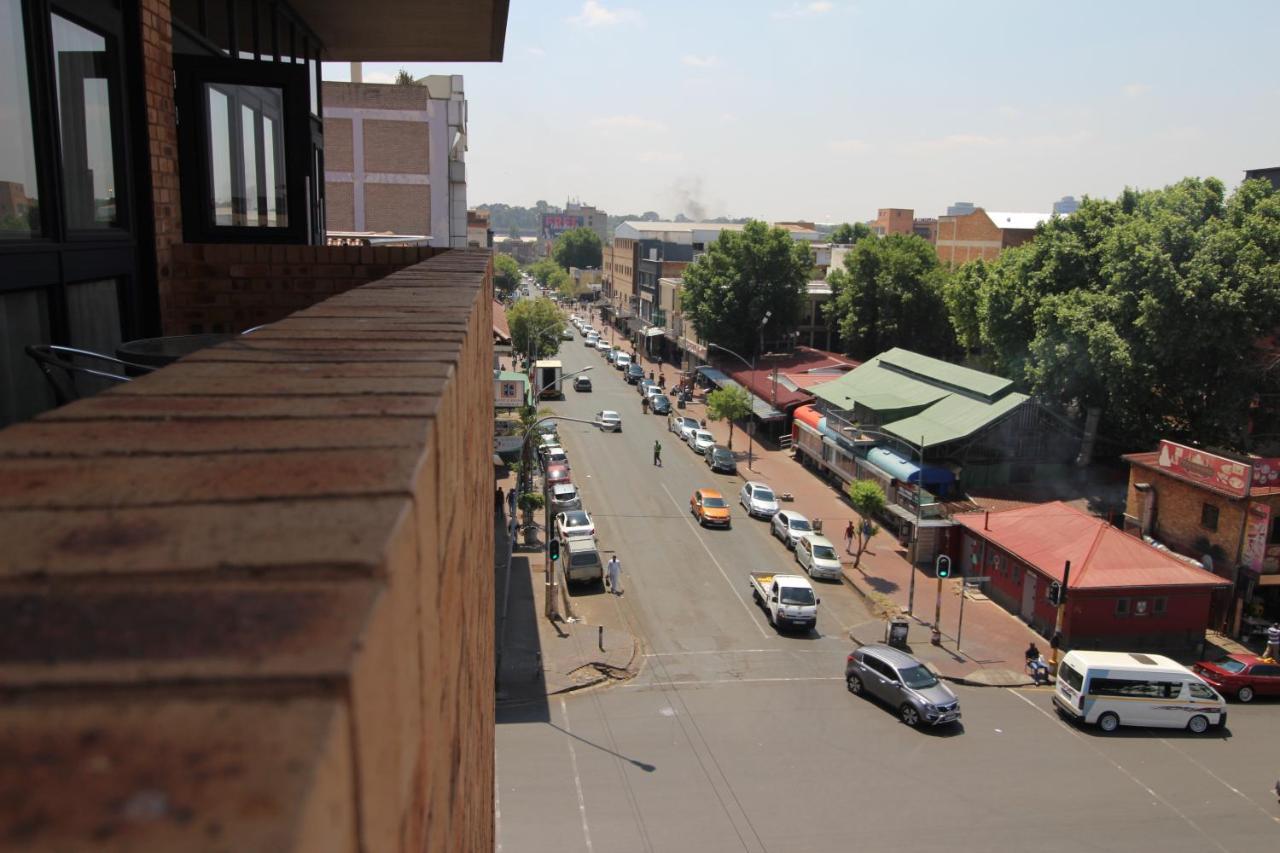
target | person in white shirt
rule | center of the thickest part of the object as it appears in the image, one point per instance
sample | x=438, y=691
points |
x=615, y=575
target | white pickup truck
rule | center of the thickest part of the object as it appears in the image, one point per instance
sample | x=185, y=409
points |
x=788, y=600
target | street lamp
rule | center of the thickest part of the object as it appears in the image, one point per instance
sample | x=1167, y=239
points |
x=752, y=366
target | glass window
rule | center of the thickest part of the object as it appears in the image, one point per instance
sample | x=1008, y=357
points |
x=246, y=156
x=24, y=321
x=1122, y=607
x=1209, y=517
x=19, y=194
x=220, y=156
x=85, y=70
x=1199, y=691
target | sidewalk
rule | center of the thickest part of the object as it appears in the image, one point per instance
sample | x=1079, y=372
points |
x=992, y=640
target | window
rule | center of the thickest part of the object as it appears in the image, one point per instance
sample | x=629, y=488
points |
x=19, y=192
x=1122, y=607
x=246, y=156
x=1199, y=691
x=1265, y=670
x=1209, y=517
x=1160, y=606
x=1133, y=687
x=1274, y=538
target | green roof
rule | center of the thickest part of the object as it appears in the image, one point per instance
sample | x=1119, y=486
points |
x=511, y=376
x=945, y=373
x=953, y=418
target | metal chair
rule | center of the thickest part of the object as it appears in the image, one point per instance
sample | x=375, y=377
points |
x=60, y=366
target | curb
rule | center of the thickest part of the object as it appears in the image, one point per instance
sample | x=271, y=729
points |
x=965, y=680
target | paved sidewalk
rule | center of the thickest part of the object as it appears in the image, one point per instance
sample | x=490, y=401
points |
x=991, y=640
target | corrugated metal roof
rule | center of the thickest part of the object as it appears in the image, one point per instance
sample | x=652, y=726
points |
x=952, y=418
x=944, y=372
x=1046, y=536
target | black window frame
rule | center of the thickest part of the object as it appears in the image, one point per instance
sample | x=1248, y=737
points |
x=1209, y=516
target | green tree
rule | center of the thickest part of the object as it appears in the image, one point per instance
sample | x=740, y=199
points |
x=542, y=270
x=846, y=233
x=404, y=78
x=506, y=274
x=578, y=247
x=562, y=283
x=868, y=502
x=962, y=293
x=730, y=403
x=742, y=275
x=890, y=294
x=535, y=324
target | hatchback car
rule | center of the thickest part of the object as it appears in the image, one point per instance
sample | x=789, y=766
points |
x=758, y=499
x=818, y=557
x=1242, y=676
x=682, y=426
x=609, y=421
x=701, y=441
x=565, y=496
x=634, y=373
x=710, y=508
x=575, y=523
x=902, y=682
x=789, y=526
x=660, y=404
x=557, y=474
x=582, y=383
x=720, y=458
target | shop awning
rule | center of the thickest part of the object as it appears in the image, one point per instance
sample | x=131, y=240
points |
x=760, y=408
x=654, y=331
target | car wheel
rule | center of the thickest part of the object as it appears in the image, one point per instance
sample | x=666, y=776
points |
x=1245, y=694
x=1198, y=725
x=909, y=715
x=1109, y=722
x=854, y=683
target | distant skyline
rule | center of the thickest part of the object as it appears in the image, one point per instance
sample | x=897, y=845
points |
x=829, y=110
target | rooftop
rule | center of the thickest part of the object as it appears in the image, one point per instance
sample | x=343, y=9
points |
x=1017, y=221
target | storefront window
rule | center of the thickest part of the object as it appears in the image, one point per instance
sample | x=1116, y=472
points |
x=246, y=156
x=19, y=193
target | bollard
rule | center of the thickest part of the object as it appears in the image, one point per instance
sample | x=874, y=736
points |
x=601, y=638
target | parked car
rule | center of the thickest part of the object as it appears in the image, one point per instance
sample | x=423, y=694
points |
x=1241, y=676
x=818, y=557
x=557, y=474
x=554, y=456
x=660, y=404
x=643, y=386
x=710, y=507
x=720, y=458
x=582, y=383
x=610, y=354
x=565, y=496
x=574, y=524
x=622, y=362
x=902, y=682
x=609, y=421
x=590, y=339
x=758, y=499
x=603, y=346
x=789, y=526
x=634, y=373
x=567, y=334
x=582, y=561
x=701, y=441
x=682, y=426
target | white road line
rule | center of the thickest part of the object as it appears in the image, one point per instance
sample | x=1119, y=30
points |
x=750, y=612
x=696, y=682
x=577, y=780
x=1232, y=788
x=1118, y=766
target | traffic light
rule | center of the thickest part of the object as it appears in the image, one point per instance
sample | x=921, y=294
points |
x=944, y=566
x=553, y=550
x=1055, y=593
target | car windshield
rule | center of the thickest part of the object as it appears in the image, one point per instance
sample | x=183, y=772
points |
x=715, y=503
x=800, y=524
x=796, y=595
x=1229, y=665
x=704, y=436
x=576, y=519
x=762, y=495
x=917, y=677
x=824, y=552
x=723, y=454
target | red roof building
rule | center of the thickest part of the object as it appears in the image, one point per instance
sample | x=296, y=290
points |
x=786, y=381
x=1122, y=593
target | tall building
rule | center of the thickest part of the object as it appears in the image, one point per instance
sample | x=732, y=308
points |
x=592, y=217
x=893, y=220
x=1271, y=174
x=395, y=159
x=1066, y=205
x=961, y=208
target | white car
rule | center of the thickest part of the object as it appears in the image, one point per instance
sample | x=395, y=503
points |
x=701, y=441
x=817, y=556
x=603, y=346
x=574, y=524
x=758, y=499
x=789, y=526
x=682, y=426
x=590, y=339
x=609, y=421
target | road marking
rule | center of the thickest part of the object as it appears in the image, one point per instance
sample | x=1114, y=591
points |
x=695, y=682
x=1117, y=765
x=751, y=613
x=1232, y=788
x=577, y=779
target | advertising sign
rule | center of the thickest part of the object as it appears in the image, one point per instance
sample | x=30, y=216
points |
x=508, y=393
x=555, y=224
x=1216, y=472
x=1257, y=525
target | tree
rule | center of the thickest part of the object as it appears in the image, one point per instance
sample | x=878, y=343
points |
x=730, y=403
x=404, y=78
x=890, y=294
x=578, y=247
x=542, y=270
x=962, y=294
x=742, y=275
x=561, y=282
x=506, y=274
x=846, y=233
x=868, y=501
x=536, y=324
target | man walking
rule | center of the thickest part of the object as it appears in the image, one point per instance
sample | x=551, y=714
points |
x=1273, y=642
x=614, y=569
x=657, y=453
x=497, y=501
x=848, y=538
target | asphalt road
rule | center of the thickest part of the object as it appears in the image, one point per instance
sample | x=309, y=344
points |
x=735, y=738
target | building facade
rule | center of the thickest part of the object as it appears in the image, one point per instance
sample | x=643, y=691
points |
x=893, y=220
x=979, y=234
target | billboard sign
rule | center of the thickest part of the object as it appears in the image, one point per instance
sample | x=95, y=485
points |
x=555, y=224
x=1208, y=469
x=1257, y=526
x=508, y=393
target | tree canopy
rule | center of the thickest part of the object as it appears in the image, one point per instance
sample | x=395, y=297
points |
x=868, y=501
x=404, y=78
x=506, y=274
x=543, y=269
x=1149, y=307
x=578, y=247
x=890, y=293
x=537, y=322
x=731, y=403
x=846, y=233
x=742, y=275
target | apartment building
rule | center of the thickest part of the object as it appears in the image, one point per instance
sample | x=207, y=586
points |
x=981, y=234
x=893, y=220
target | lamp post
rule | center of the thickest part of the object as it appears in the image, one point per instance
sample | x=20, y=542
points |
x=751, y=365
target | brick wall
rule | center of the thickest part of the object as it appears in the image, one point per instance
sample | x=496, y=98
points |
x=246, y=601
x=162, y=134
x=965, y=238
x=229, y=288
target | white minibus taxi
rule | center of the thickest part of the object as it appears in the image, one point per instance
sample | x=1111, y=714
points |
x=1113, y=689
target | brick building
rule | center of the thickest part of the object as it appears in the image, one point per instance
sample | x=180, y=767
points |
x=395, y=159
x=893, y=220
x=965, y=237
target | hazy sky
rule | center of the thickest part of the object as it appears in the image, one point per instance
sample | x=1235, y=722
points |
x=828, y=110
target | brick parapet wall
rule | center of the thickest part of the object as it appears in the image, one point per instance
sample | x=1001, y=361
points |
x=246, y=601
x=232, y=287
x=162, y=132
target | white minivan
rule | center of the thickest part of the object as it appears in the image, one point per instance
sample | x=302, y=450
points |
x=1113, y=689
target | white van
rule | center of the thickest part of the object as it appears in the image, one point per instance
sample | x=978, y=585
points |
x=622, y=362
x=581, y=560
x=1113, y=689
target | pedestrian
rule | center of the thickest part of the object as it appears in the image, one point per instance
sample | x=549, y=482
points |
x=497, y=501
x=644, y=404
x=1273, y=642
x=657, y=453
x=848, y=538
x=817, y=526
x=615, y=575
x=511, y=502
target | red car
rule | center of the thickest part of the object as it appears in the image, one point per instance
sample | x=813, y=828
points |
x=557, y=474
x=1241, y=676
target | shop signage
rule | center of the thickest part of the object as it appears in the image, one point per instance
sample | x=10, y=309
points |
x=508, y=393
x=1217, y=472
x=1257, y=526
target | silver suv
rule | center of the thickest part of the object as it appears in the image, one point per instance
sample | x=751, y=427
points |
x=903, y=682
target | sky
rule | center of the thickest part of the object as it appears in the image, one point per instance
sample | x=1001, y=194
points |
x=826, y=111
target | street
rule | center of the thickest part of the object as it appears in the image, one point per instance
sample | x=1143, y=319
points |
x=735, y=738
